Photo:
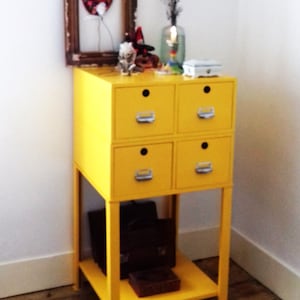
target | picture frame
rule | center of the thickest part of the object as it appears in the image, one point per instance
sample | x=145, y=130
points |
x=73, y=54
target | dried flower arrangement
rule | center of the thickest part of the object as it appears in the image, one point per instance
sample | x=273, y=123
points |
x=173, y=11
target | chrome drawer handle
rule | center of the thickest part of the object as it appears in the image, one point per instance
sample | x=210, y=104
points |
x=206, y=112
x=204, y=168
x=143, y=175
x=145, y=117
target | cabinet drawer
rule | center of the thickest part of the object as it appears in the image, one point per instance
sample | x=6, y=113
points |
x=205, y=107
x=142, y=169
x=144, y=111
x=203, y=162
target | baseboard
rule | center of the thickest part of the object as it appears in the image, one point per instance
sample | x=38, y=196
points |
x=43, y=273
x=48, y=272
x=269, y=270
x=200, y=243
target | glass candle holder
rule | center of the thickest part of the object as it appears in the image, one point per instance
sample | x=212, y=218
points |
x=172, y=44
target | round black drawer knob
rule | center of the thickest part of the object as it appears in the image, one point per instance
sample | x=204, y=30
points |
x=146, y=92
x=204, y=145
x=144, y=151
x=206, y=89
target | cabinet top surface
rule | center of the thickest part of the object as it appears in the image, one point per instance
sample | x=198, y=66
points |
x=112, y=76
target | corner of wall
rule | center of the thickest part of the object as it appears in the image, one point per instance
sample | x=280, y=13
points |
x=261, y=264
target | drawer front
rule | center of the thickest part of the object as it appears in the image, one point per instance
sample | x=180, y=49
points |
x=144, y=111
x=205, y=107
x=203, y=162
x=142, y=169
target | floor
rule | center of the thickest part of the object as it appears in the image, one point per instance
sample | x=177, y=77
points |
x=241, y=286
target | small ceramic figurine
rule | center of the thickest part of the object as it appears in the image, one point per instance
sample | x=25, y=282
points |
x=127, y=55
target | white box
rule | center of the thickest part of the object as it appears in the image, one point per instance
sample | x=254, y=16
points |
x=202, y=68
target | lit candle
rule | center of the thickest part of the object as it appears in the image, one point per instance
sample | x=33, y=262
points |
x=173, y=32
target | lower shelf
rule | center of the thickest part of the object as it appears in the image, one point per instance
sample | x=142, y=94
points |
x=194, y=283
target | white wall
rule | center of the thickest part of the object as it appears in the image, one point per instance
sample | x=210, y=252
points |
x=35, y=135
x=35, y=129
x=100, y=35
x=210, y=27
x=267, y=165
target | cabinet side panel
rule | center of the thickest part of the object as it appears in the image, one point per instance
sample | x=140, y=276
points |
x=92, y=132
x=93, y=103
x=234, y=95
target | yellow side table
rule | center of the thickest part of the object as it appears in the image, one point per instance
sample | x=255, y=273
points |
x=147, y=136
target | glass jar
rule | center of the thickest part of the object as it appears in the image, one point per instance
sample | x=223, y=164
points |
x=172, y=40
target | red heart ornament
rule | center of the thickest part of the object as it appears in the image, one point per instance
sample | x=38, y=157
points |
x=91, y=5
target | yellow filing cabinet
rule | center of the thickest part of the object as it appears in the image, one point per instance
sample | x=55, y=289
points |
x=146, y=136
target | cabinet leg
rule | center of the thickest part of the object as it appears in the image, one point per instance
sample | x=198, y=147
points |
x=224, y=248
x=113, y=250
x=76, y=226
x=173, y=211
